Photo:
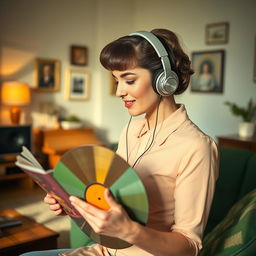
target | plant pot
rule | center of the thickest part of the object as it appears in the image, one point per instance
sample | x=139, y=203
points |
x=70, y=124
x=246, y=129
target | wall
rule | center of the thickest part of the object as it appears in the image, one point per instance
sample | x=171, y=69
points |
x=188, y=19
x=31, y=29
x=46, y=29
x=115, y=19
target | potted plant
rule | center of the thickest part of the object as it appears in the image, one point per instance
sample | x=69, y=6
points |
x=246, y=128
x=71, y=122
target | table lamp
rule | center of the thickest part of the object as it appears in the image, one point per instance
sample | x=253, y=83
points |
x=15, y=95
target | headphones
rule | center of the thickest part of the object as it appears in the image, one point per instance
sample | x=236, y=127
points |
x=165, y=81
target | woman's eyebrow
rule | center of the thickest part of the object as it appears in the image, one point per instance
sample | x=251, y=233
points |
x=124, y=74
x=127, y=74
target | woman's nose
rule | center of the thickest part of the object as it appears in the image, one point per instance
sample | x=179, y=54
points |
x=120, y=90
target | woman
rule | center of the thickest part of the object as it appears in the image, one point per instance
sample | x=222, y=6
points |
x=175, y=160
x=206, y=80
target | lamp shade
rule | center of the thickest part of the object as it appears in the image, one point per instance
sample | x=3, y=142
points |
x=15, y=94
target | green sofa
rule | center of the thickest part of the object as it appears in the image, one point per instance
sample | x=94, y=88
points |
x=231, y=227
x=237, y=177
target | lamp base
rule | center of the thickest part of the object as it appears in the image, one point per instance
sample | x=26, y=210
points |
x=15, y=115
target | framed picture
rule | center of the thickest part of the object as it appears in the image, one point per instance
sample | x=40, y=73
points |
x=112, y=85
x=78, y=55
x=209, y=71
x=47, y=75
x=217, y=33
x=78, y=82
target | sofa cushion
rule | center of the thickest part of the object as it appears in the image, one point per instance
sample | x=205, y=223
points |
x=235, y=234
x=233, y=163
x=249, y=182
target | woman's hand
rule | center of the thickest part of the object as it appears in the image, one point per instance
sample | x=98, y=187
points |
x=113, y=222
x=54, y=205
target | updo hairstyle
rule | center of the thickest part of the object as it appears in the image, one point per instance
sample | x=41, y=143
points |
x=129, y=52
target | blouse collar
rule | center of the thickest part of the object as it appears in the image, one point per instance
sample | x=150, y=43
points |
x=167, y=127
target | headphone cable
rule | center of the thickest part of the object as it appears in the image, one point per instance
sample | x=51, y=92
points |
x=126, y=139
x=153, y=136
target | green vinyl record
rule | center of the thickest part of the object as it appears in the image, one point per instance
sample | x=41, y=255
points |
x=84, y=166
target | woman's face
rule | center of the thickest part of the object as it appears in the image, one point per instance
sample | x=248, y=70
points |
x=134, y=87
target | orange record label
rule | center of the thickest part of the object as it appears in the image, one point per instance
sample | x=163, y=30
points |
x=94, y=195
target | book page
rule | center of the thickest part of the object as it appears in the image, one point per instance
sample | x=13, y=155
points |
x=20, y=159
x=29, y=156
x=30, y=167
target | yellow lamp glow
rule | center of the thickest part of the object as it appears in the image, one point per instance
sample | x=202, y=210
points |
x=15, y=94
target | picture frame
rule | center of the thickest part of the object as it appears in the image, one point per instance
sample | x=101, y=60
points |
x=77, y=85
x=46, y=75
x=78, y=55
x=217, y=33
x=112, y=85
x=209, y=71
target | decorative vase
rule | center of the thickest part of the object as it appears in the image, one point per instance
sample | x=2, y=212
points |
x=246, y=129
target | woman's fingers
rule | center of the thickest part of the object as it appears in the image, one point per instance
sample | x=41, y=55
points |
x=85, y=208
x=59, y=212
x=49, y=199
x=54, y=205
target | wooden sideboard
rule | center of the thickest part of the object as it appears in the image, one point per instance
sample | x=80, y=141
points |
x=234, y=141
x=55, y=142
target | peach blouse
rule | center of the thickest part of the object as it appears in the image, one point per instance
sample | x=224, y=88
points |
x=179, y=173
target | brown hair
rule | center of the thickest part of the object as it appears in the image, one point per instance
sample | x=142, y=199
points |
x=134, y=51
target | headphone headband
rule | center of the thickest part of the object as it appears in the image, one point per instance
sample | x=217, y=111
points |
x=153, y=40
x=169, y=79
x=158, y=47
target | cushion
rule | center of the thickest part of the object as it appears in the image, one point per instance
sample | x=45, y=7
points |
x=249, y=182
x=233, y=164
x=235, y=235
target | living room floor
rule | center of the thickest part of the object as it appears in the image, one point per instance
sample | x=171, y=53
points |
x=29, y=202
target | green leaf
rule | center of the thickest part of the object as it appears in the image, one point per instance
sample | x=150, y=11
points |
x=247, y=113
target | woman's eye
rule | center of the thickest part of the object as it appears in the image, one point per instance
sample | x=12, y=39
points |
x=130, y=81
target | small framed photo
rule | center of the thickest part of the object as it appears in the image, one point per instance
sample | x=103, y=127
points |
x=78, y=55
x=78, y=83
x=47, y=75
x=217, y=33
x=112, y=85
x=209, y=71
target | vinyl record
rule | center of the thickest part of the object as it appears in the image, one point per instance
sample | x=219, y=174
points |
x=87, y=171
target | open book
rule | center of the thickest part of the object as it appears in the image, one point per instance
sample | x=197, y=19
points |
x=83, y=171
x=45, y=179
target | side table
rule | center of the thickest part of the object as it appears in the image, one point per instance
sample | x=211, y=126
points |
x=234, y=141
x=28, y=236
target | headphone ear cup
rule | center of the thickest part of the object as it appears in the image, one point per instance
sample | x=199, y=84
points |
x=165, y=86
x=156, y=80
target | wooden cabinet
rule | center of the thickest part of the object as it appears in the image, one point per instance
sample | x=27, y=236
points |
x=55, y=142
x=23, y=178
x=234, y=141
